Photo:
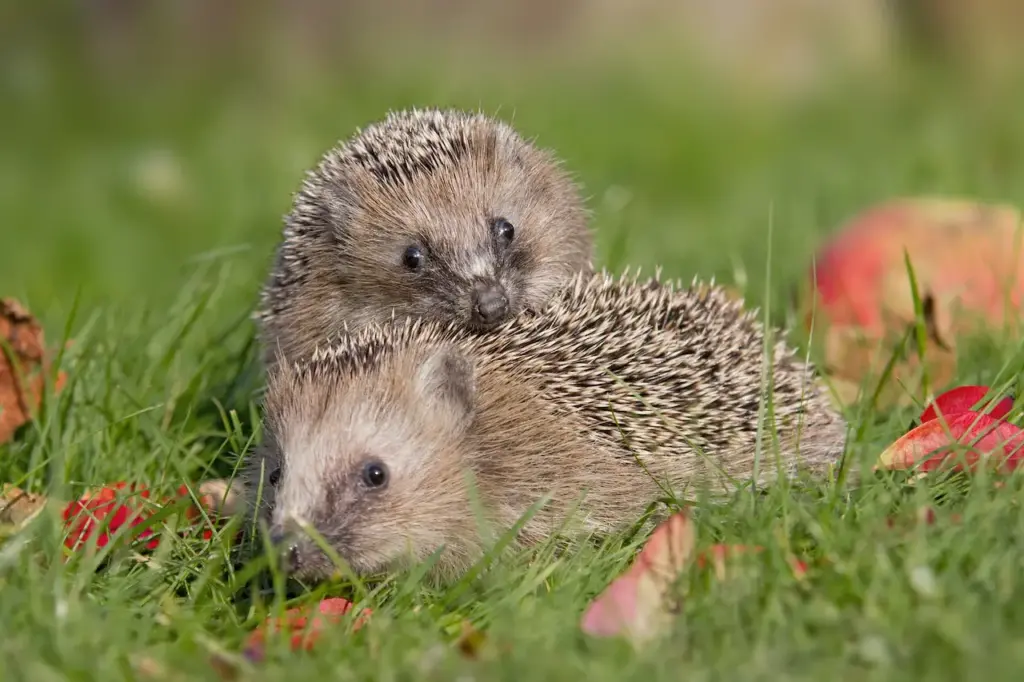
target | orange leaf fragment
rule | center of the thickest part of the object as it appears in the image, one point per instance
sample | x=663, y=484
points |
x=968, y=437
x=470, y=640
x=22, y=373
x=305, y=629
x=637, y=603
x=719, y=553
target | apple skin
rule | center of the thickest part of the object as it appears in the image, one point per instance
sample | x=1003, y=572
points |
x=962, y=252
x=968, y=265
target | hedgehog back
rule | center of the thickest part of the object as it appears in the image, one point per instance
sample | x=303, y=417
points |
x=648, y=367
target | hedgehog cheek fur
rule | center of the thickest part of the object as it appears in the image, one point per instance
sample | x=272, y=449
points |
x=402, y=425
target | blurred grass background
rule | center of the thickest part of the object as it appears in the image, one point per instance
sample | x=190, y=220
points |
x=149, y=149
x=141, y=137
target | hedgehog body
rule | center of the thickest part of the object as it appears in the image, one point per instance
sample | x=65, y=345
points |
x=378, y=440
x=438, y=214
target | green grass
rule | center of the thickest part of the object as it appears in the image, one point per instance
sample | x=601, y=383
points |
x=154, y=280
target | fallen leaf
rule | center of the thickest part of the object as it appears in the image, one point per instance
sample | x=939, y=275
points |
x=89, y=512
x=717, y=555
x=638, y=604
x=967, y=437
x=305, y=629
x=18, y=507
x=966, y=260
x=963, y=399
x=926, y=515
x=131, y=504
x=470, y=640
x=22, y=372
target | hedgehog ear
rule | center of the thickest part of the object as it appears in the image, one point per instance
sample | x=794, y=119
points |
x=448, y=378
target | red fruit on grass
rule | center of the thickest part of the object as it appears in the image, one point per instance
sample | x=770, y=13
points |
x=966, y=261
x=966, y=438
x=306, y=630
x=86, y=515
x=961, y=250
x=963, y=399
x=90, y=512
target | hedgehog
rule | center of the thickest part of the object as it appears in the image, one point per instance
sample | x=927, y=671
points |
x=440, y=214
x=616, y=391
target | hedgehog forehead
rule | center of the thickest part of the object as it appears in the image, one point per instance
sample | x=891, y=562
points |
x=410, y=144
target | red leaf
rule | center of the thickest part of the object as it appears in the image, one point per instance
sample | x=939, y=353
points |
x=614, y=609
x=967, y=437
x=86, y=515
x=636, y=603
x=963, y=399
x=305, y=630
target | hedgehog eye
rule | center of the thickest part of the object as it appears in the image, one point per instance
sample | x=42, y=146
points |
x=413, y=258
x=503, y=231
x=375, y=474
x=275, y=476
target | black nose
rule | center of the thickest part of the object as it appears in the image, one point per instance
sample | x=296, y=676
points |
x=490, y=303
x=287, y=547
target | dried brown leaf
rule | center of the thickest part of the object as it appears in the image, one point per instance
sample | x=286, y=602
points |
x=22, y=369
x=18, y=507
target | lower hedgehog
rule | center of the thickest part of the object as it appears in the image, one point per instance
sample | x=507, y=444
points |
x=378, y=440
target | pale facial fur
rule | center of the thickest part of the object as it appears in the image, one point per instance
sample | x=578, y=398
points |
x=439, y=429
x=474, y=236
x=406, y=420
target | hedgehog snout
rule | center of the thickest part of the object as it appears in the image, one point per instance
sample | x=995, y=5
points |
x=287, y=545
x=489, y=303
x=298, y=555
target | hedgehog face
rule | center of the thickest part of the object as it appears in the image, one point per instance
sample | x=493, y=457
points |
x=437, y=215
x=370, y=464
x=475, y=244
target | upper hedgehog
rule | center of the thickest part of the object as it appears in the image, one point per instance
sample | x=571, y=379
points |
x=426, y=214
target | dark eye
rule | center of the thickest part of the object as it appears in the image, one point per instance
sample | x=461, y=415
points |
x=503, y=231
x=275, y=476
x=375, y=475
x=413, y=258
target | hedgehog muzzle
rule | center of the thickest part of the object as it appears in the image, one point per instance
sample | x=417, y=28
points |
x=489, y=303
x=286, y=544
